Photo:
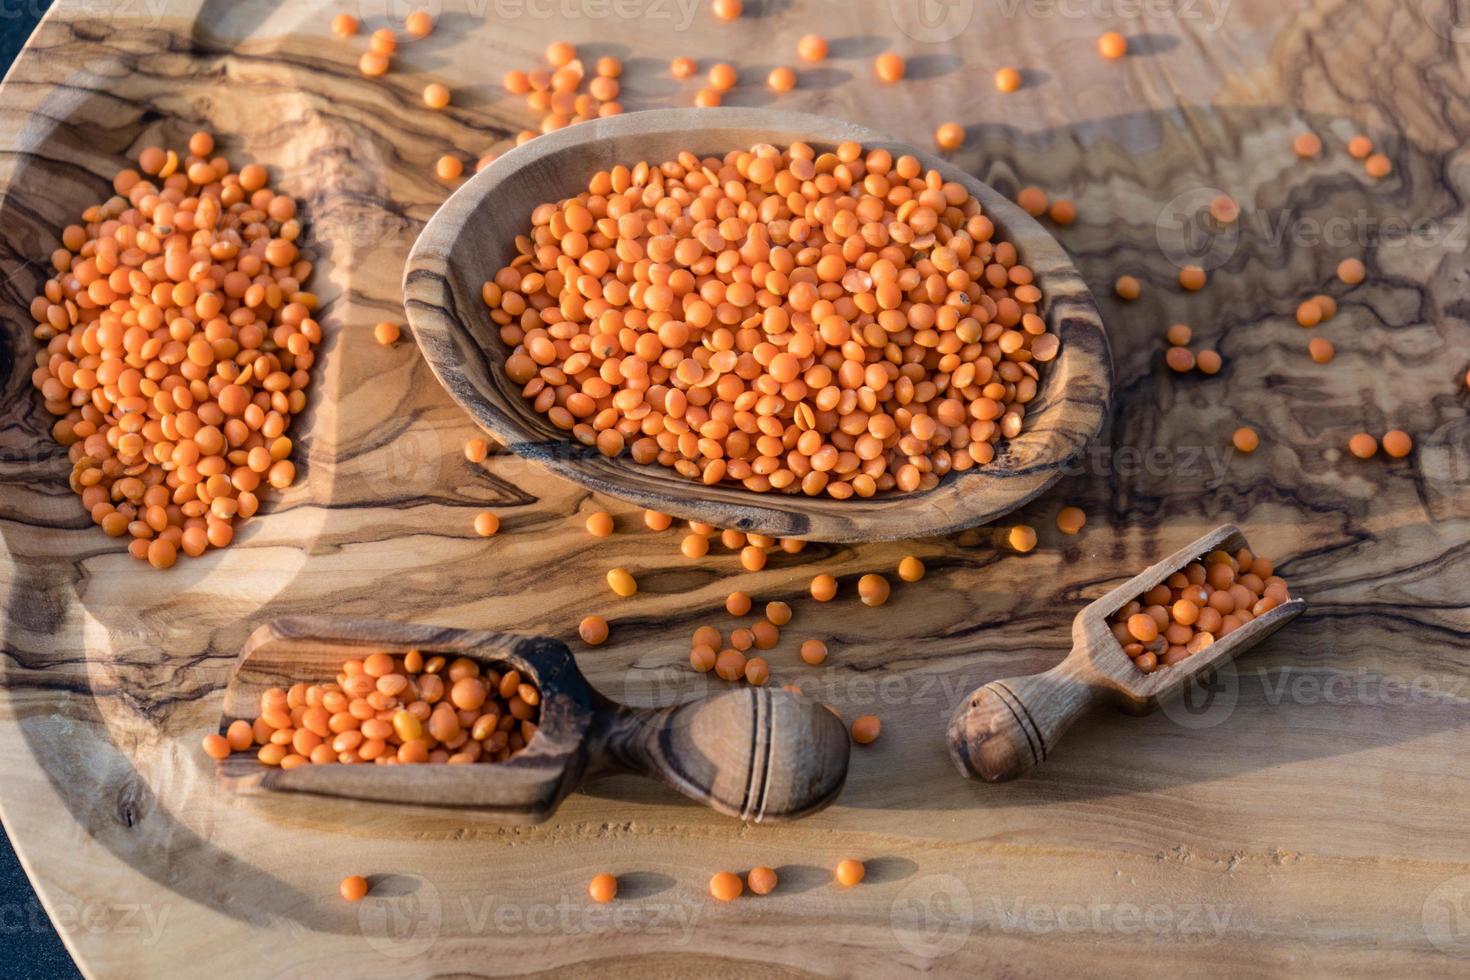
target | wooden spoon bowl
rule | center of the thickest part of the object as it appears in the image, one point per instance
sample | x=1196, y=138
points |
x=472, y=236
x=1008, y=727
x=755, y=753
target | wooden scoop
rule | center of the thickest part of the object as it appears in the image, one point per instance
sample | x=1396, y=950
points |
x=751, y=752
x=1005, y=728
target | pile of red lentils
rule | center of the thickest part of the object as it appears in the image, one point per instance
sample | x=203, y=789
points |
x=178, y=344
x=840, y=323
x=391, y=710
x=1205, y=601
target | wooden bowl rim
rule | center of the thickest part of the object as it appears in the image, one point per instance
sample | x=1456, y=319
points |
x=960, y=500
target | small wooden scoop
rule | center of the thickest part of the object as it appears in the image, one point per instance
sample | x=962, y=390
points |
x=751, y=752
x=1005, y=728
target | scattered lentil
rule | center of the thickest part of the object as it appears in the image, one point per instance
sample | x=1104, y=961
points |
x=1032, y=200
x=621, y=581
x=354, y=888
x=865, y=729
x=1306, y=145
x=824, y=588
x=1021, y=538
x=761, y=881
x=1397, y=443
x=873, y=589
x=726, y=886
x=1179, y=359
x=1063, y=212
x=911, y=568
x=849, y=872
x=950, y=136
x=603, y=888
x=593, y=630
x=1070, y=520
x=757, y=671
x=1112, y=45
x=889, y=67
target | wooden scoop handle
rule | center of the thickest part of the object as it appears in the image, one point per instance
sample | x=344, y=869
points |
x=1005, y=728
x=752, y=752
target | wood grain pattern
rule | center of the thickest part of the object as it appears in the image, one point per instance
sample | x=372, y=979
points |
x=748, y=752
x=1008, y=727
x=472, y=236
x=1310, y=819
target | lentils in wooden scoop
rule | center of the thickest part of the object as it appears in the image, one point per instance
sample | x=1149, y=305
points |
x=389, y=710
x=1205, y=601
x=841, y=323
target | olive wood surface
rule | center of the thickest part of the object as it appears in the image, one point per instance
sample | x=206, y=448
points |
x=473, y=235
x=749, y=752
x=1309, y=819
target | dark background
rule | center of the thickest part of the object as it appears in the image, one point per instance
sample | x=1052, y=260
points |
x=29, y=947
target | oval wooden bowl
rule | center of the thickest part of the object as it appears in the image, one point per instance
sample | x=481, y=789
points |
x=472, y=236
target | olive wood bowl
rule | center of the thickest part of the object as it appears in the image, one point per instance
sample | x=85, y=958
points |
x=472, y=236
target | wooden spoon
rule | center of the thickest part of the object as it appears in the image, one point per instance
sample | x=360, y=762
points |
x=472, y=236
x=750, y=752
x=1005, y=728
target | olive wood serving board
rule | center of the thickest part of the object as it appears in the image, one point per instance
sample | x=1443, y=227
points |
x=1310, y=821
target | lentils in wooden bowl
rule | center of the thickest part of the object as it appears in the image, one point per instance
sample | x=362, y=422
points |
x=688, y=315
